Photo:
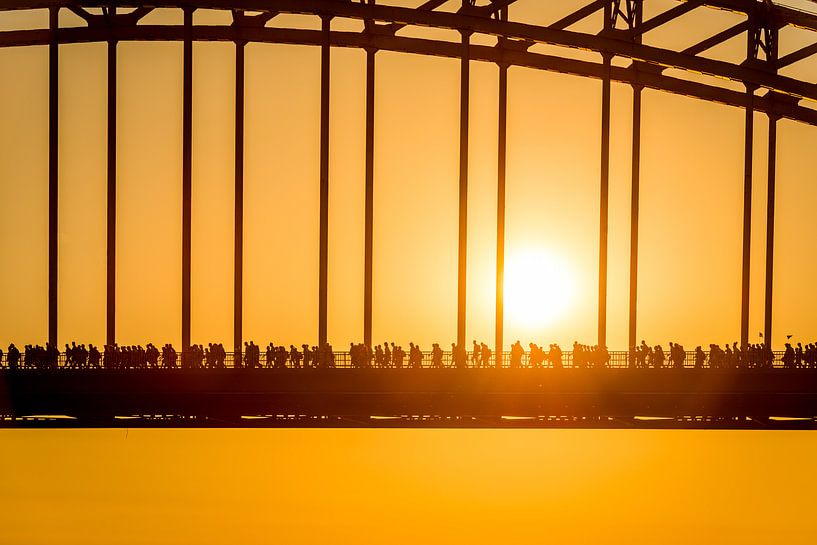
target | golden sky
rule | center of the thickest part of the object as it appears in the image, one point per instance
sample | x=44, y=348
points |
x=692, y=178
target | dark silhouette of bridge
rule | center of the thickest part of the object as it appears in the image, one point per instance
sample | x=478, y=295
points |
x=449, y=397
x=467, y=396
x=619, y=393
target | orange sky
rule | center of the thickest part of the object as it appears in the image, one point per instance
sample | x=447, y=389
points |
x=691, y=195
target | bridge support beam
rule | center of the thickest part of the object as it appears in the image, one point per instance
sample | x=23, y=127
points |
x=238, y=243
x=772, y=166
x=187, y=157
x=53, y=177
x=323, y=258
x=110, y=336
x=499, y=348
x=747, y=215
x=369, y=226
x=634, y=205
x=465, y=76
x=603, y=200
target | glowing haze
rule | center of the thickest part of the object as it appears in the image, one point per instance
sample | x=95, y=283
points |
x=690, y=221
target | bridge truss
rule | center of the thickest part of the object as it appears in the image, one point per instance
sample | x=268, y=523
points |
x=619, y=37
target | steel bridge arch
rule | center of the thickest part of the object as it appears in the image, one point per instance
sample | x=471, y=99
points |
x=620, y=35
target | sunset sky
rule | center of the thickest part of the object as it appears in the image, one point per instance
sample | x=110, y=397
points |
x=464, y=484
x=692, y=182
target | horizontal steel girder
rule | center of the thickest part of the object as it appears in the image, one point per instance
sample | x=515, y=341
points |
x=785, y=107
x=616, y=45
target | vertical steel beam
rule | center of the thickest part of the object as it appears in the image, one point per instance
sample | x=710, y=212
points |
x=747, y=216
x=767, y=322
x=463, y=189
x=324, y=183
x=634, y=204
x=500, y=214
x=111, y=204
x=238, y=245
x=53, y=165
x=502, y=132
x=369, y=227
x=187, y=156
x=635, y=14
x=603, y=201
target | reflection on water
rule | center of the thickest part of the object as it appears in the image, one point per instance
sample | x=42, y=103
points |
x=407, y=486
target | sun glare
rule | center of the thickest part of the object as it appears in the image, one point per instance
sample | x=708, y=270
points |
x=539, y=288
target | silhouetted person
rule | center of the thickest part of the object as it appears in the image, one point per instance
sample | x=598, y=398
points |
x=728, y=360
x=13, y=357
x=209, y=356
x=386, y=355
x=269, y=355
x=436, y=356
x=280, y=357
x=485, y=355
x=152, y=356
x=458, y=356
x=516, y=355
x=415, y=356
x=643, y=354
x=578, y=356
x=536, y=355
x=737, y=356
x=69, y=357
x=788, y=357
x=398, y=355
x=221, y=356
x=603, y=356
x=700, y=357
x=555, y=356
x=809, y=356
x=294, y=356
x=658, y=357
x=172, y=356
x=677, y=355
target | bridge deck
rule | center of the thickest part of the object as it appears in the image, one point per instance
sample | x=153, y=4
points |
x=410, y=398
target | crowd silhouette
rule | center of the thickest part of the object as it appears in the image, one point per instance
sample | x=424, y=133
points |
x=754, y=356
x=389, y=355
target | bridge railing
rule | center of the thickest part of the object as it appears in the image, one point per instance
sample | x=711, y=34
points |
x=343, y=360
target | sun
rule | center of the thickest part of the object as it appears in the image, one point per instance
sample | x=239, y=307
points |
x=539, y=288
